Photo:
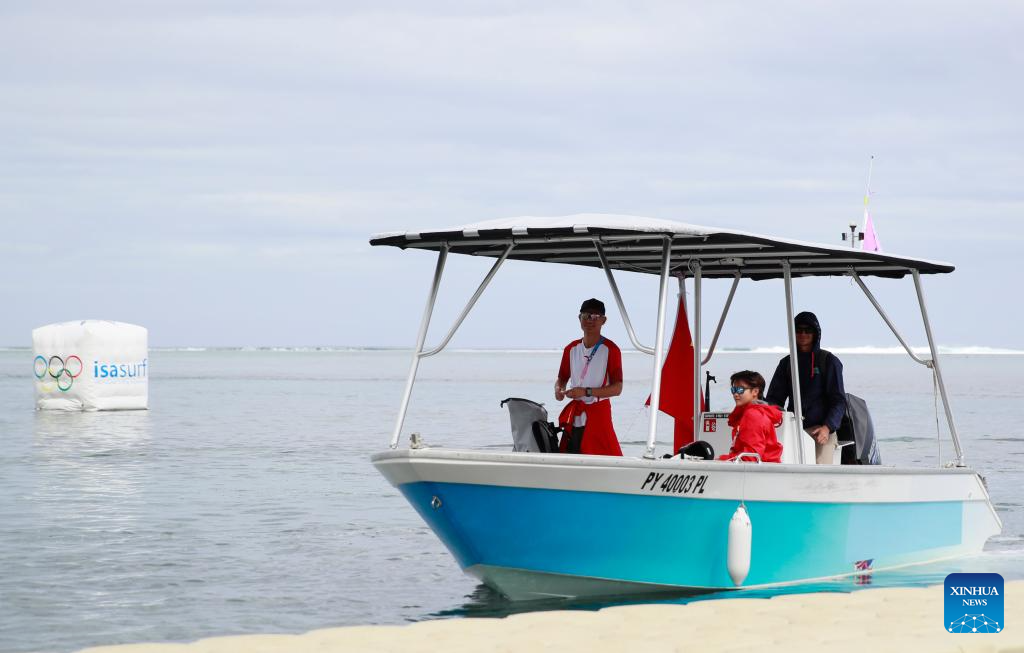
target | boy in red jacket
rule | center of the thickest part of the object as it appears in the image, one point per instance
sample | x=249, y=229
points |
x=753, y=421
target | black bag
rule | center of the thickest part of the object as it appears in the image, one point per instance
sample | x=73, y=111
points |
x=546, y=435
x=573, y=438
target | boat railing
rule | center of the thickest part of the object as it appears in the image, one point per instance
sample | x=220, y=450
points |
x=794, y=369
x=748, y=455
x=692, y=262
x=659, y=347
x=419, y=353
x=885, y=318
x=937, y=370
x=721, y=320
x=618, y=299
x=932, y=363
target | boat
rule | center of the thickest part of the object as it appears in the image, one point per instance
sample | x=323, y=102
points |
x=551, y=525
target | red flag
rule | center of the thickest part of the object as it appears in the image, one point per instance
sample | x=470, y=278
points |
x=677, y=381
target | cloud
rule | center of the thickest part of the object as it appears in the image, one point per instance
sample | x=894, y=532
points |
x=262, y=142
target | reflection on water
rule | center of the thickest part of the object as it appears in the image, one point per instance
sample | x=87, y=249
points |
x=485, y=602
x=75, y=436
x=93, y=461
x=93, y=428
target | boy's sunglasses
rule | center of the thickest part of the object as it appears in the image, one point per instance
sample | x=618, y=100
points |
x=738, y=389
x=801, y=329
x=590, y=316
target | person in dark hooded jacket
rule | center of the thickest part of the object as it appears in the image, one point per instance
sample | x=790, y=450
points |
x=822, y=394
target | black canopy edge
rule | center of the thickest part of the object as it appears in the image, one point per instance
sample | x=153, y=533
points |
x=721, y=254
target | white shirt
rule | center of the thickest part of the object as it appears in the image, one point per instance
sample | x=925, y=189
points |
x=596, y=372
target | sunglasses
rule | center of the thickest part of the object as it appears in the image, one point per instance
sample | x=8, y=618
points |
x=801, y=329
x=590, y=316
x=738, y=389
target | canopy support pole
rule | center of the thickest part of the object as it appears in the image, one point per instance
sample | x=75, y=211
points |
x=442, y=256
x=892, y=327
x=721, y=320
x=794, y=361
x=659, y=347
x=618, y=300
x=471, y=303
x=695, y=266
x=938, y=370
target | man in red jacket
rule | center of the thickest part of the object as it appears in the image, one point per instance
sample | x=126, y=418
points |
x=753, y=421
x=589, y=376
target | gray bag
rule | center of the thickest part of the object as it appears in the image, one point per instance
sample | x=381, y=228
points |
x=531, y=430
x=857, y=426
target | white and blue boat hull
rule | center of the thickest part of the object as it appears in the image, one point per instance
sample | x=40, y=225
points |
x=542, y=525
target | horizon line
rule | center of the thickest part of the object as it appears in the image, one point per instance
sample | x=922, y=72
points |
x=770, y=349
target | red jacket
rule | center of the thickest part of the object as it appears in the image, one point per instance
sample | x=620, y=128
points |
x=753, y=431
x=599, y=437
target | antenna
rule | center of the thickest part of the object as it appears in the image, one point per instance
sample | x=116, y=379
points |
x=854, y=236
x=867, y=192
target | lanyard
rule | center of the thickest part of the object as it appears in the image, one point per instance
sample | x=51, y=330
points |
x=586, y=365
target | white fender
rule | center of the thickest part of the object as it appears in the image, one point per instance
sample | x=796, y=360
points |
x=740, y=535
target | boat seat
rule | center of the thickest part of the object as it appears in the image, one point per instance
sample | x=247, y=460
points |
x=716, y=430
x=789, y=434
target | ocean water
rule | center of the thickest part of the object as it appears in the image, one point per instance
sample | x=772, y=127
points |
x=244, y=501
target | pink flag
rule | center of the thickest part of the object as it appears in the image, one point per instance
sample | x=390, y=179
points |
x=871, y=242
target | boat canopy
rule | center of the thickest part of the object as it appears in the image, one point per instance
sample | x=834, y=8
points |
x=664, y=248
x=636, y=244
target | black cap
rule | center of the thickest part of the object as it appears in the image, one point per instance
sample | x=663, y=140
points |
x=592, y=306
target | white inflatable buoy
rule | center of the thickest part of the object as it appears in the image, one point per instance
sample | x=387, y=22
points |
x=740, y=534
x=91, y=365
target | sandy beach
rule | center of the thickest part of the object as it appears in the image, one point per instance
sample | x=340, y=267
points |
x=869, y=620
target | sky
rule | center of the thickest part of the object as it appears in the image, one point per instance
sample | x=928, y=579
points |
x=213, y=170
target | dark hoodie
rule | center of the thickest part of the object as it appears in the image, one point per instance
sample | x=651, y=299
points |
x=821, y=383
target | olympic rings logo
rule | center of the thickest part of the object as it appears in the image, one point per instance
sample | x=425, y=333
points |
x=63, y=370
